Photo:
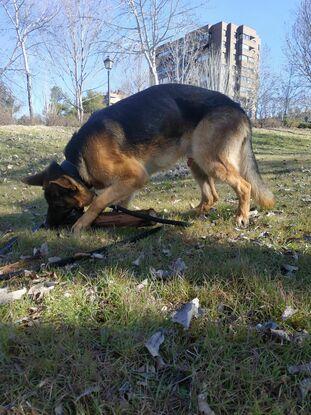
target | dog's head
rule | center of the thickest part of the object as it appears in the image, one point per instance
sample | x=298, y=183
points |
x=66, y=197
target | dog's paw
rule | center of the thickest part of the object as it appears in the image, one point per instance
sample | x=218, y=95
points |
x=242, y=221
x=201, y=208
x=79, y=226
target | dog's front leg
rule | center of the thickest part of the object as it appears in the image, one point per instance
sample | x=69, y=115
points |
x=112, y=194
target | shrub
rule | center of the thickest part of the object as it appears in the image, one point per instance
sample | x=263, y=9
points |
x=6, y=117
x=268, y=123
x=304, y=125
x=291, y=122
x=26, y=120
x=61, y=121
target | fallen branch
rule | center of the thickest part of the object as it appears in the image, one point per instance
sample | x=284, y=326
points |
x=142, y=215
x=119, y=219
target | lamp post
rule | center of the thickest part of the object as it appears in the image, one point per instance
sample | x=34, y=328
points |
x=108, y=65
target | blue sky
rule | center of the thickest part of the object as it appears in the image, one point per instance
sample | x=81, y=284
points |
x=270, y=18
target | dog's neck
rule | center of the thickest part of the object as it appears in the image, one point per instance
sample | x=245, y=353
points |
x=71, y=170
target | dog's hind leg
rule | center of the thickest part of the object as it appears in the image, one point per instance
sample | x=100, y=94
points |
x=217, y=147
x=209, y=194
x=227, y=173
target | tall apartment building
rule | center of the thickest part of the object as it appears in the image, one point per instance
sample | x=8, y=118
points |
x=237, y=49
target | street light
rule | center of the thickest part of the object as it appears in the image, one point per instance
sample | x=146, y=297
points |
x=108, y=65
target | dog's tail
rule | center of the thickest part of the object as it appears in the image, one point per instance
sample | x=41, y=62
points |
x=250, y=172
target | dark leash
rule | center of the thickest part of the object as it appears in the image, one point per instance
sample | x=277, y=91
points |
x=149, y=218
x=83, y=256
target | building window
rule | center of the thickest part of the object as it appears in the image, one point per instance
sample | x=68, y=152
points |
x=163, y=53
x=246, y=80
x=248, y=71
x=245, y=37
x=243, y=58
x=245, y=90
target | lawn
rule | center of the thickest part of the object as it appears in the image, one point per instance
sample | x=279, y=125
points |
x=80, y=348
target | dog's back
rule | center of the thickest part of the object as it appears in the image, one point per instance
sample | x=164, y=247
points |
x=168, y=110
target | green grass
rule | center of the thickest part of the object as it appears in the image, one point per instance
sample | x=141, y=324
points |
x=90, y=330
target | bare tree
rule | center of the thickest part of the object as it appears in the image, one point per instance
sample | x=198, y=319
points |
x=151, y=23
x=136, y=75
x=299, y=42
x=26, y=19
x=189, y=60
x=178, y=60
x=73, y=46
x=290, y=93
x=267, y=92
x=8, y=58
x=216, y=74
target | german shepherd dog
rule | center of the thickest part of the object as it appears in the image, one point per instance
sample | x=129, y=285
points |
x=116, y=151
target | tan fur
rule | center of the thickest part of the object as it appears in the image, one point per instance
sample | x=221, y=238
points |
x=115, y=174
x=215, y=145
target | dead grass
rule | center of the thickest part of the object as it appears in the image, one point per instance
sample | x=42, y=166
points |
x=81, y=348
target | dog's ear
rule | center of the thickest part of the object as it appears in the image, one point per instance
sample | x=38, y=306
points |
x=67, y=187
x=35, y=179
x=66, y=182
x=53, y=171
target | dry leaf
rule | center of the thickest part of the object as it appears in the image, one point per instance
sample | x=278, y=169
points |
x=288, y=270
x=7, y=297
x=166, y=252
x=142, y=285
x=138, y=260
x=203, y=406
x=253, y=213
x=95, y=255
x=288, y=312
x=178, y=266
x=185, y=313
x=267, y=326
x=303, y=368
x=53, y=259
x=88, y=391
x=301, y=336
x=159, y=273
x=281, y=334
x=37, y=291
x=59, y=409
x=305, y=387
x=42, y=251
x=154, y=342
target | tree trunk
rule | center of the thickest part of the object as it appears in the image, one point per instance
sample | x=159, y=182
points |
x=154, y=79
x=28, y=75
x=79, y=105
x=29, y=95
